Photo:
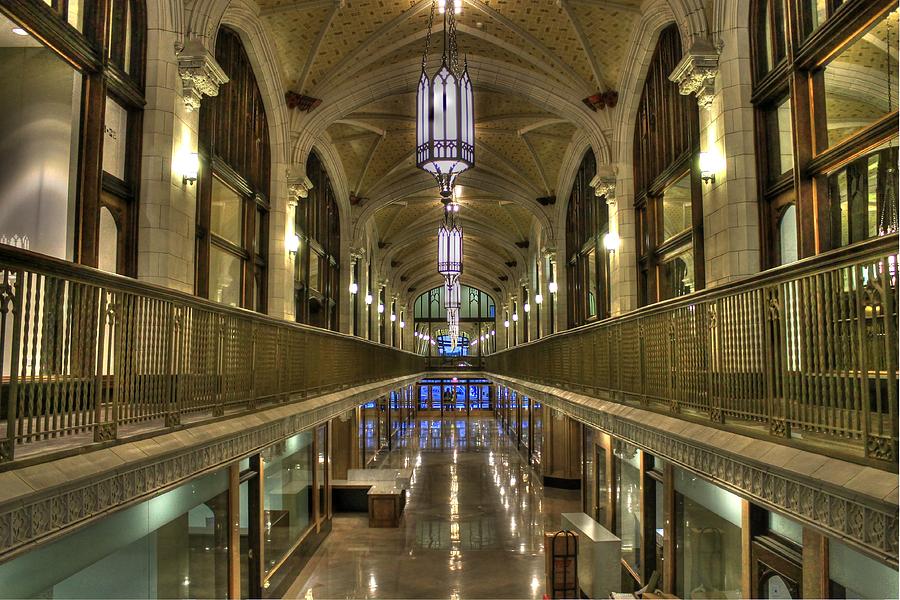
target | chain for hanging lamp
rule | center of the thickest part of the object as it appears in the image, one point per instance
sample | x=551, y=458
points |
x=445, y=120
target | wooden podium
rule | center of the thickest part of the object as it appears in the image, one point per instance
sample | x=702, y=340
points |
x=561, y=564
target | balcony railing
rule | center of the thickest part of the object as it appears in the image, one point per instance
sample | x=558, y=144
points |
x=807, y=351
x=89, y=357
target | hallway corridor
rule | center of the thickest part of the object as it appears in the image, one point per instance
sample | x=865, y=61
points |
x=472, y=527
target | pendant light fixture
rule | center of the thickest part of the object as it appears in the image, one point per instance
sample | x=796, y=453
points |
x=450, y=237
x=445, y=121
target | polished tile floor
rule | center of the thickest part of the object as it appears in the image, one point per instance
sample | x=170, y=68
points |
x=472, y=528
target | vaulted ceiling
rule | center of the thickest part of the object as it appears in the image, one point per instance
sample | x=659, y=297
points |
x=532, y=63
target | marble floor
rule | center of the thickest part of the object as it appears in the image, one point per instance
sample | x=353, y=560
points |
x=472, y=528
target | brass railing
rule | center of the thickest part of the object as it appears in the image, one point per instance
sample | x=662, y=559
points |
x=88, y=357
x=807, y=351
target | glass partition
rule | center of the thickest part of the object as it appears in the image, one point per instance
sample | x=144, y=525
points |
x=628, y=502
x=288, y=496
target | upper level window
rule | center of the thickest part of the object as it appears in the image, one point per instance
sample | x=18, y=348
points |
x=317, y=267
x=232, y=194
x=668, y=205
x=839, y=174
x=63, y=138
x=587, y=269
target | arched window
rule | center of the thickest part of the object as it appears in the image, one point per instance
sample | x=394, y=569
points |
x=317, y=268
x=825, y=91
x=587, y=264
x=71, y=108
x=233, y=192
x=477, y=323
x=667, y=185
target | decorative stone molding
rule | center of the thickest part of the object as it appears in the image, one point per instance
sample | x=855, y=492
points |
x=200, y=74
x=299, y=185
x=604, y=186
x=696, y=73
x=28, y=519
x=869, y=525
x=357, y=253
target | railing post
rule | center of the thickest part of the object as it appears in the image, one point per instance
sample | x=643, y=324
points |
x=105, y=430
x=176, y=325
x=219, y=407
x=713, y=343
x=776, y=361
x=251, y=402
x=11, y=294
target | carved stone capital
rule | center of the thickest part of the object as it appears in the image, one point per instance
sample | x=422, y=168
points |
x=200, y=74
x=357, y=253
x=549, y=252
x=604, y=186
x=696, y=73
x=298, y=185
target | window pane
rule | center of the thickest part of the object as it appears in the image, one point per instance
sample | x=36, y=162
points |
x=288, y=488
x=115, y=138
x=226, y=216
x=676, y=216
x=628, y=502
x=677, y=275
x=817, y=8
x=315, y=278
x=224, y=277
x=109, y=241
x=863, y=197
x=780, y=132
x=787, y=235
x=40, y=111
x=861, y=82
x=708, y=539
x=592, y=283
x=859, y=576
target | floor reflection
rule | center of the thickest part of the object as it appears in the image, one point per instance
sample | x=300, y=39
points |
x=473, y=524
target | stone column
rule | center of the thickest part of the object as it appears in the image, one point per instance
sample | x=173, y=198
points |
x=176, y=82
x=723, y=86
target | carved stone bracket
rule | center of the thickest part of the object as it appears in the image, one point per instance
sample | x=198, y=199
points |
x=696, y=73
x=200, y=74
x=299, y=185
x=605, y=186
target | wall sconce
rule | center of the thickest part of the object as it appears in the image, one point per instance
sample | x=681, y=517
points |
x=354, y=288
x=538, y=299
x=515, y=317
x=393, y=318
x=402, y=324
x=369, y=298
x=189, y=163
x=506, y=324
x=292, y=244
x=380, y=308
x=611, y=242
x=493, y=332
x=709, y=165
x=552, y=287
x=526, y=307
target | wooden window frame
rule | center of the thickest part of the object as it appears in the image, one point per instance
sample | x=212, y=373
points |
x=85, y=51
x=239, y=157
x=666, y=147
x=808, y=51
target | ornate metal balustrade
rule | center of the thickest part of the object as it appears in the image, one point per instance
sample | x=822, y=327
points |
x=88, y=357
x=807, y=351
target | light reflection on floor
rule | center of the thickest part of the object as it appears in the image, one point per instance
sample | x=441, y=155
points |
x=473, y=524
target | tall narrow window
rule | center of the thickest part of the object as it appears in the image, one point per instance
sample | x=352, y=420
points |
x=232, y=197
x=668, y=205
x=317, y=275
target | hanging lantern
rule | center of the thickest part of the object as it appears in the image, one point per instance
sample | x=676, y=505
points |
x=450, y=237
x=452, y=294
x=445, y=120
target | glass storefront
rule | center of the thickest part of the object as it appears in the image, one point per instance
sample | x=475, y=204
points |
x=171, y=546
x=708, y=539
x=287, y=495
x=854, y=575
x=628, y=502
